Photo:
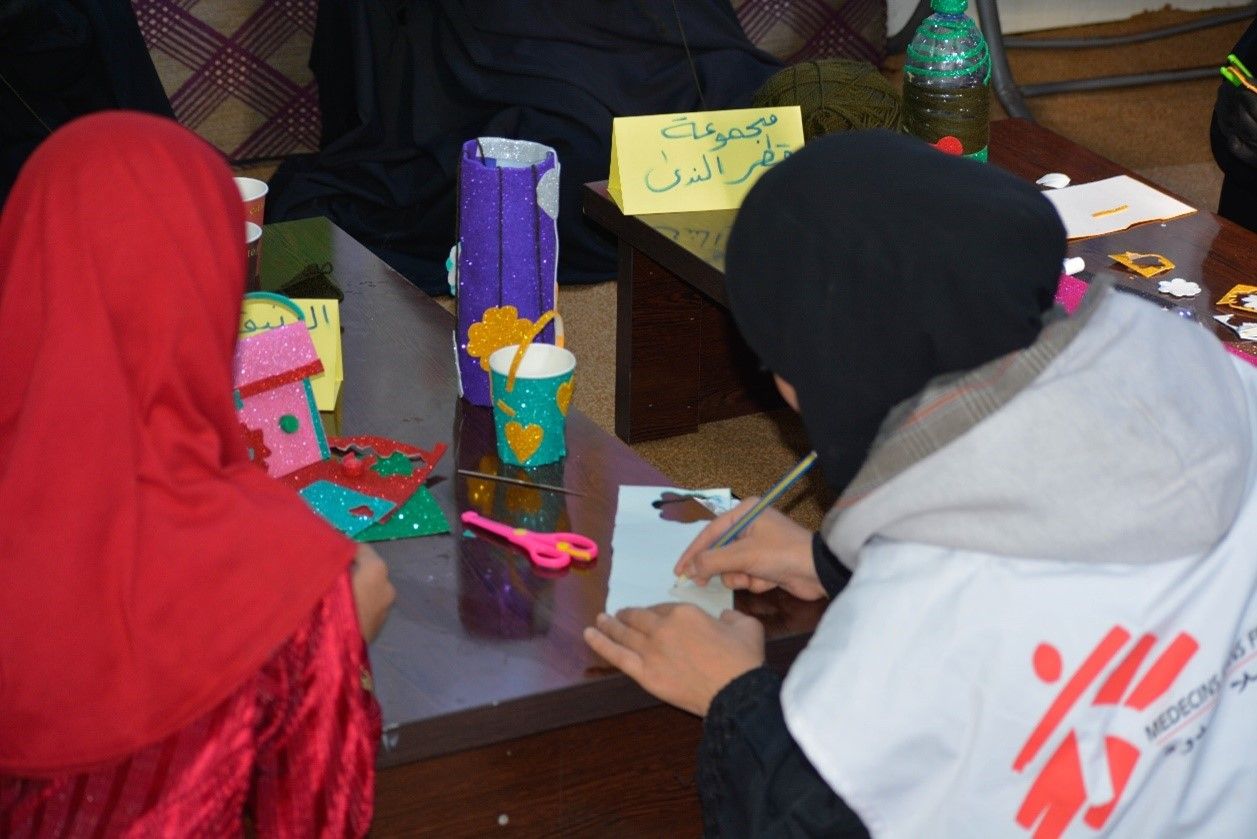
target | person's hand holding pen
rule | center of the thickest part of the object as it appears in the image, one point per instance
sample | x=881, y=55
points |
x=773, y=551
x=1236, y=111
x=684, y=656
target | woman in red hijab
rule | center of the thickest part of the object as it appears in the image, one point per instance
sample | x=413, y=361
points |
x=180, y=636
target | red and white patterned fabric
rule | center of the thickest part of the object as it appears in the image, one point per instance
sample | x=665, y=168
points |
x=294, y=747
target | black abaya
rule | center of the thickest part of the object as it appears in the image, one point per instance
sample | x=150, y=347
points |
x=60, y=59
x=403, y=83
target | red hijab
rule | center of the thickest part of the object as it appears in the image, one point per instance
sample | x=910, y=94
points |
x=147, y=568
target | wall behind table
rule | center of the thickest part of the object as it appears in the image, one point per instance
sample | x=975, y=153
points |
x=236, y=71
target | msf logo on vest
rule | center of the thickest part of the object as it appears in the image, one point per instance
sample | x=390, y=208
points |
x=1059, y=792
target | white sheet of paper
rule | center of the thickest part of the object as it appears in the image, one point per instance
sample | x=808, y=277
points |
x=644, y=548
x=1112, y=204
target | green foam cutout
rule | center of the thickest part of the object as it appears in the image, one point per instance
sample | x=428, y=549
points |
x=395, y=464
x=419, y=516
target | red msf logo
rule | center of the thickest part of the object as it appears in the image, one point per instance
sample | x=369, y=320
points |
x=1059, y=792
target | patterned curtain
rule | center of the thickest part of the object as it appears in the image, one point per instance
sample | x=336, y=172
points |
x=808, y=30
x=236, y=71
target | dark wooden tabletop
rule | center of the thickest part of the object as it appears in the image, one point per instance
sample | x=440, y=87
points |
x=480, y=646
x=690, y=245
x=1205, y=248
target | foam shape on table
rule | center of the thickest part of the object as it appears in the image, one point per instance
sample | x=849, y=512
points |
x=1069, y=292
x=419, y=516
x=1241, y=298
x=1054, y=180
x=1179, y=287
x=337, y=504
x=271, y=371
x=1146, y=265
x=361, y=476
x=266, y=311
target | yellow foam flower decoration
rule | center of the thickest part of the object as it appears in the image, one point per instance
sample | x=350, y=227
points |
x=501, y=326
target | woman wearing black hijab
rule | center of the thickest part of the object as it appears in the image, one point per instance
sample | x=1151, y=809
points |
x=1021, y=497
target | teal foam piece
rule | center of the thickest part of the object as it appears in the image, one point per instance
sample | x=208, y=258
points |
x=333, y=502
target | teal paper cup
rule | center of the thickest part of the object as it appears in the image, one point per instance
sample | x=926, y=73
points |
x=530, y=407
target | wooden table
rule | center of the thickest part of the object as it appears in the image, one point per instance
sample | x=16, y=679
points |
x=679, y=361
x=493, y=705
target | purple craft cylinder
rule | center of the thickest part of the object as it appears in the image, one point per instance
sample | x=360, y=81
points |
x=508, y=245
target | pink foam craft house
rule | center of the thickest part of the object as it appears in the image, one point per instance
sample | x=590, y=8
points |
x=274, y=398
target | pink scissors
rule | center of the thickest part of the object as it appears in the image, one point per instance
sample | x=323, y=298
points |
x=548, y=550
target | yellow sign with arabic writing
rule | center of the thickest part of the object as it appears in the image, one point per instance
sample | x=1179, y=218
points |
x=322, y=318
x=707, y=160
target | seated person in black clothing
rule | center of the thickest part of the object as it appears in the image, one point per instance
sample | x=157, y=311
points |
x=1233, y=136
x=60, y=59
x=1048, y=523
x=404, y=83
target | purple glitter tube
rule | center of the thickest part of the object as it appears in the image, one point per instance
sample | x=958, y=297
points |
x=508, y=251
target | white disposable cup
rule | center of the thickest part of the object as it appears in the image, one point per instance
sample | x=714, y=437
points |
x=253, y=194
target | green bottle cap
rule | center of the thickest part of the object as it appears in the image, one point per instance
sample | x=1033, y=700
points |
x=950, y=7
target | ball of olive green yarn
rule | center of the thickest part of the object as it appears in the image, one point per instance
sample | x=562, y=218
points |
x=834, y=95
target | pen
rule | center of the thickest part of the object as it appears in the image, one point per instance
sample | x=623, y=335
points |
x=1237, y=74
x=787, y=480
x=1234, y=60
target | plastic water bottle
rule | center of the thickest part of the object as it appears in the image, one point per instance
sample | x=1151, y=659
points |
x=946, y=82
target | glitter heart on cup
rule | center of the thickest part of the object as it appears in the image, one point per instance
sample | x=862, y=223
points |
x=531, y=385
x=524, y=440
x=563, y=396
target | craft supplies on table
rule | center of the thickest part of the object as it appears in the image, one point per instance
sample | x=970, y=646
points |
x=552, y=551
x=1112, y=204
x=531, y=386
x=487, y=476
x=1146, y=265
x=506, y=258
x=646, y=545
x=769, y=498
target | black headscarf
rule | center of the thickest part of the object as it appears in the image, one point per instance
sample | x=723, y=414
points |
x=869, y=263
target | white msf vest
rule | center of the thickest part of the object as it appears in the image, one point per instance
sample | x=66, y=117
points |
x=949, y=693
